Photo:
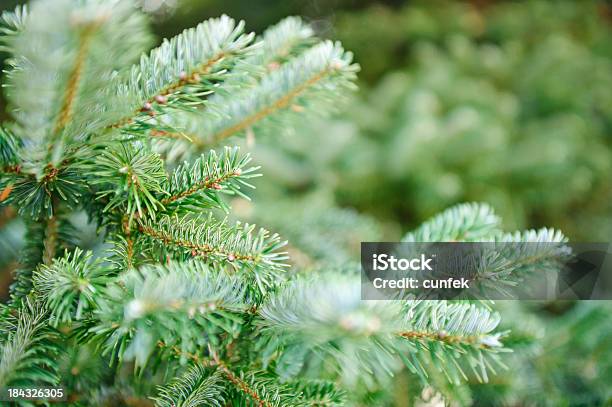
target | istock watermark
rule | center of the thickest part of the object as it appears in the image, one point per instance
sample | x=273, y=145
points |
x=487, y=270
x=384, y=262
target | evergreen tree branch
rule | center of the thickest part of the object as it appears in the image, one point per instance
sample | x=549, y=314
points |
x=196, y=186
x=451, y=323
x=319, y=393
x=470, y=222
x=198, y=386
x=38, y=198
x=318, y=64
x=84, y=45
x=182, y=305
x=27, y=355
x=303, y=83
x=128, y=179
x=218, y=242
x=244, y=387
x=186, y=59
x=514, y=255
x=69, y=285
x=283, y=41
x=325, y=318
x=321, y=321
x=258, y=387
x=280, y=103
x=437, y=327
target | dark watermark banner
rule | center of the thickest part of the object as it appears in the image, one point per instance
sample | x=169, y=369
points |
x=486, y=270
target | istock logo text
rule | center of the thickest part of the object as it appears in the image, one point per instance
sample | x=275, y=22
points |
x=389, y=262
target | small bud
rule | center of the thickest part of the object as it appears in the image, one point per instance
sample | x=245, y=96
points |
x=196, y=77
x=152, y=113
x=237, y=172
x=147, y=106
x=212, y=306
x=161, y=99
x=216, y=186
x=194, y=253
x=347, y=323
x=273, y=66
x=183, y=76
x=442, y=334
x=231, y=257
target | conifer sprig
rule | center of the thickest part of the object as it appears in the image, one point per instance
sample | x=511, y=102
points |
x=128, y=178
x=71, y=61
x=180, y=71
x=184, y=304
x=197, y=386
x=435, y=327
x=471, y=222
x=198, y=185
x=303, y=84
x=28, y=349
x=239, y=245
x=505, y=258
x=70, y=285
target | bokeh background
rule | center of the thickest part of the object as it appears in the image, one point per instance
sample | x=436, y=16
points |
x=504, y=102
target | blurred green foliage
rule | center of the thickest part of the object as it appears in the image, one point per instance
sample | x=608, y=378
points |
x=508, y=104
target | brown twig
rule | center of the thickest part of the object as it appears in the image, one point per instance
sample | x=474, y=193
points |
x=205, y=184
x=196, y=249
x=173, y=87
x=74, y=79
x=277, y=105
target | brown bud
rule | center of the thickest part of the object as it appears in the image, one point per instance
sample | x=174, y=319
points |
x=183, y=76
x=161, y=99
x=216, y=186
x=147, y=106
